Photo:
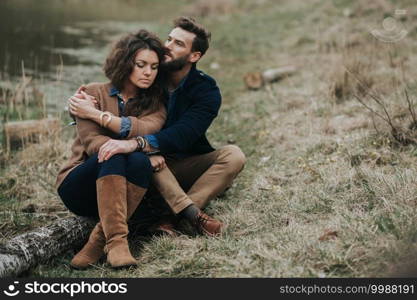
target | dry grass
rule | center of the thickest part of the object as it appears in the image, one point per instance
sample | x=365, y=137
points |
x=28, y=197
x=22, y=100
x=211, y=8
x=323, y=193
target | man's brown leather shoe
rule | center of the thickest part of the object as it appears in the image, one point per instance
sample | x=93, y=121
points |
x=207, y=225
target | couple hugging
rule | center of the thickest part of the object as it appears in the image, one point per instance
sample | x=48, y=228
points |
x=146, y=128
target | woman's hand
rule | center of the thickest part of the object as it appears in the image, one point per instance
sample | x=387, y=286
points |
x=112, y=147
x=157, y=162
x=82, y=105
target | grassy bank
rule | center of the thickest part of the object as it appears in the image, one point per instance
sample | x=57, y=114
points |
x=328, y=189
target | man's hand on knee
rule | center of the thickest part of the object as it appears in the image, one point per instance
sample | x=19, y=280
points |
x=157, y=162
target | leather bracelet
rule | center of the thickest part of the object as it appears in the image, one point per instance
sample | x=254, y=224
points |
x=109, y=117
x=146, y=143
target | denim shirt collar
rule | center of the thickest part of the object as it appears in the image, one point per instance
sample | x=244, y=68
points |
x=113, y=92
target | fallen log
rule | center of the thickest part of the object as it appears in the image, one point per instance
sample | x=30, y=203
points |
x=25, y=251
x=17, y=133
x=255, y=80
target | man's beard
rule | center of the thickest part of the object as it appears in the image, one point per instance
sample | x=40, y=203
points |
x=175, y=64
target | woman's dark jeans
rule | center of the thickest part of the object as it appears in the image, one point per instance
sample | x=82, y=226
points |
x=78, y=190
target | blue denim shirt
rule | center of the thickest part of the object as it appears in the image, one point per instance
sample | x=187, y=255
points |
x=125, y=124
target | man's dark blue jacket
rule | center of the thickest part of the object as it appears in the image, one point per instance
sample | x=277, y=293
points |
x=197, y=103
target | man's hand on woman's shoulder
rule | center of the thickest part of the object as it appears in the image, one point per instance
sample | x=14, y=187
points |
x=80, y=104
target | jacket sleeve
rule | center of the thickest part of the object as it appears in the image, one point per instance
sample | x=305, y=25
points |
x=148, y=124
x=192, y=125
x=92, y=135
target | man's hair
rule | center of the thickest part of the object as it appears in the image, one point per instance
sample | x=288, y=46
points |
x=121, y=61
x=202, y=36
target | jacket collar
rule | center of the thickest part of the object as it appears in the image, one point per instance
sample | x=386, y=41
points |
x=183, y=81
x=193, y=75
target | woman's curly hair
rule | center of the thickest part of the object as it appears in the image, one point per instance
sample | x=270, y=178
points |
x=121, y=61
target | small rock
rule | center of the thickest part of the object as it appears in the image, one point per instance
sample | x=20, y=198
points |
x=347, y=12
x=214, y=66
x=264, y=159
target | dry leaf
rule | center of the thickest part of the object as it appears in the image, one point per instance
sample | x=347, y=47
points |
x=328, y=235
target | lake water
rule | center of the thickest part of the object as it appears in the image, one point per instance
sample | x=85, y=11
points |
x=63, y=43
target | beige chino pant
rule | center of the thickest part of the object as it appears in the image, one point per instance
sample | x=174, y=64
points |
x=200, y=178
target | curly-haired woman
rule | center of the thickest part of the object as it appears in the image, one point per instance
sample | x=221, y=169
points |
x=106, y=176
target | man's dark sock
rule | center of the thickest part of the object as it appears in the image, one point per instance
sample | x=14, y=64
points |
x=190, y=212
